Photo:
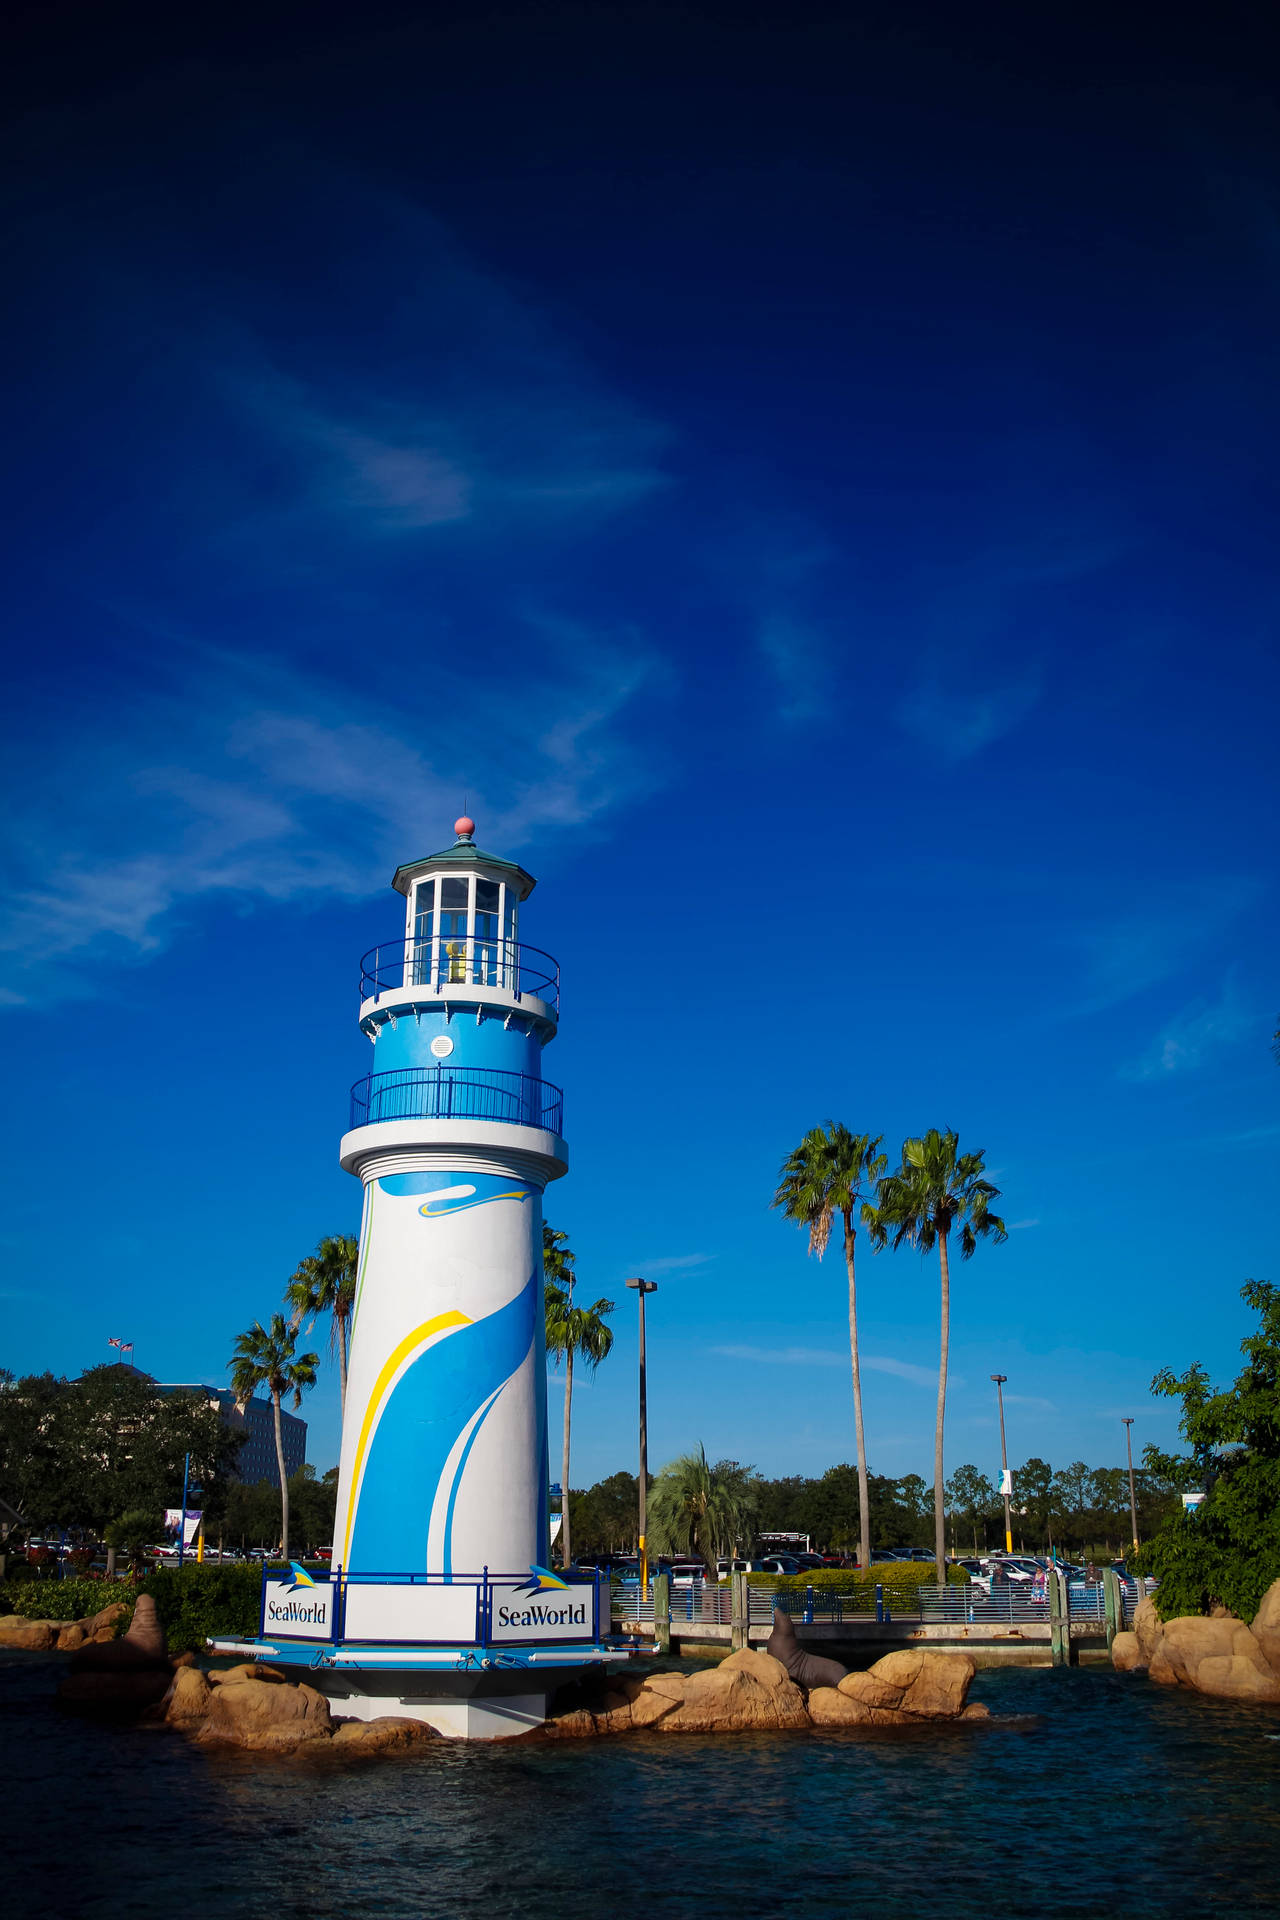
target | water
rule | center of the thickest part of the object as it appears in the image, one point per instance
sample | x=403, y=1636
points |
x=1115, y=1793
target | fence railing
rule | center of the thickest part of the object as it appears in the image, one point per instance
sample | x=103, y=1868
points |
x=461, y=961
x=457, y=1093
x=970, y=1606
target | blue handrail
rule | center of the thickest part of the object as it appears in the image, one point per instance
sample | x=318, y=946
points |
x=457, y=1093
x=450, y=962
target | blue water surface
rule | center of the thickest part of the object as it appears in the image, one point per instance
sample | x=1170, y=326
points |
x=1105, y=1793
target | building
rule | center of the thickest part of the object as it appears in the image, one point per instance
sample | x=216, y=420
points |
x=257, y=1458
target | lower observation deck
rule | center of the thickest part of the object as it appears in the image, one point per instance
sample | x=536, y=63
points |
x=457, y=1093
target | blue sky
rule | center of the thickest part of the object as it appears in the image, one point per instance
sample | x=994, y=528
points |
x=810, y=493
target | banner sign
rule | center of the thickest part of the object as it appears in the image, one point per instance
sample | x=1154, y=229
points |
x=518, y=1617
x=175, y=1524
x=292, y=1610
x=1006, y=1481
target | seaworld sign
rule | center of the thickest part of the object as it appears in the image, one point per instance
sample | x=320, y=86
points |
x=297, y=1612
x=518, y=1617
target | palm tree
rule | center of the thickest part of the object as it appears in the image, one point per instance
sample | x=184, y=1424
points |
x=697, y=1508
x=269, y=1359
x=325, y=1282
x=826, y=1175
x=572, y=1332
x=934, y=1190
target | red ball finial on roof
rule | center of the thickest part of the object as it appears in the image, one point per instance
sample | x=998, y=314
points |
x=465, y=827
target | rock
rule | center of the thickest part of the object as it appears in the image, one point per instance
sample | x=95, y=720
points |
x=1147, y=1627
x=1187, y=1640
x=976, y=1711
x=384, y=1735
x=245, y=1713
x=142, y=1647
x=576, y=1725
x=70, y=1637
x=247, y=1670
x=185, y=1660
x=912, y=1685
x=650, y=1706
x=1265, y=1626
x=145, y=1632
x=829, y=1707
x=188, y=1696
x=669, y=1685
x=31, y=1636
x=747, y=1690
x=807, y=1669
x=1126, y=1654
x=106, y=1618
x=1237, y=1676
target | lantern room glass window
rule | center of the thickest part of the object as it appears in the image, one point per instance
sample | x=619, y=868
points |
x=462, y=931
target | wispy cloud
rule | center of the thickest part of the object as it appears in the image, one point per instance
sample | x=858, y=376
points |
x=290, y=787
x=1029, y=1400
x=956, y=719
x=1021, y=1226
x=674, y=1263
x=1194, y=1035
x=828, y=1357
x=795, y=652
x=1155, y=939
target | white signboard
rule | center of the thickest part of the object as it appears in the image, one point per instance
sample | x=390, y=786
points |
x=411, y=1614
x=294, y=1612
x=519, y=1617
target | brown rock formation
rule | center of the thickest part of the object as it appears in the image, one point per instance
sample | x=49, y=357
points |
x=1213, y=1654
x=1126, y=1654
x=249, y=1711
x=912, y=1685
x=389, y=1733
x=30, y=1636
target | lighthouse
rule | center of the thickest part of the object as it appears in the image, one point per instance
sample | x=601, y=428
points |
x=440, y=1603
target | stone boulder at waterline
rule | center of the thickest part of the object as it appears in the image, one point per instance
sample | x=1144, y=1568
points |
x=121, y=1675
x=62, y=1636
x=752, y=1691
x=899, y=1690
x=1213, y=1654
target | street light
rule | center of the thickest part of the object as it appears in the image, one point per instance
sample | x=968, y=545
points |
x=641, y=1288
x=1000, y=1379
x=1133, y=1497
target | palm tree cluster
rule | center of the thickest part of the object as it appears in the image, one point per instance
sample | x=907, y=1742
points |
x=935, y=1191
x=580, y=1333
x=325, y=1282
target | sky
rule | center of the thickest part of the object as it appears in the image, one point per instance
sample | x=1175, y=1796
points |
x=806, y=485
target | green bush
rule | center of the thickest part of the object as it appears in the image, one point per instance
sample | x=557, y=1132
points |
x=197, y=1603
x=893, y=1575
x=61, y=1599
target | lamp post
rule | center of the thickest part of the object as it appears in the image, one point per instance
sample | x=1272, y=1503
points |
x=641, y=1288
x=182, y=1524
x=1133, y=1496
x=1000, y=1379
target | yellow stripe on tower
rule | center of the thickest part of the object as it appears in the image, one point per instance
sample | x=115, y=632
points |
x=443, y=1323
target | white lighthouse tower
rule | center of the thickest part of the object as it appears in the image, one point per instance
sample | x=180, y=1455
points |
x=440, y=1603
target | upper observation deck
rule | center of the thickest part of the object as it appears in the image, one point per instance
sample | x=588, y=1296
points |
x=461, y=944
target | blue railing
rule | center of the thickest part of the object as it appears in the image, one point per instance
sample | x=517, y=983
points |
x=457, y=1093
x=319, y=1612
x=453, y=962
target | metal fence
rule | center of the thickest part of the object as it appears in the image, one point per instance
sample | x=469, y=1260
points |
x=461, y=961
x=969, y=1606
x=457, y=1093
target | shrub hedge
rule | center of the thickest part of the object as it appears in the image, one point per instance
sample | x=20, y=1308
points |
x=890, y=1574
x=61, y=1599
x=194, y=1603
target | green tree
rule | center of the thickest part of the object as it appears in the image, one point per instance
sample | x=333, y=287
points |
x=572, y=1333
x=1227, y=1551
x=1033, y=1499
x=935, y=1190
x=131, y=1535
x=972, y=1499
x=702, y=1509
x=831, y=1172
x=269, y=1358
x=325, y=1282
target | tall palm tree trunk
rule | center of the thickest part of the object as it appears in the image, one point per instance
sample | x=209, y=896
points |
x=342, y=1360
x=565, y=1545
x=284, y=1484
x=939, y=1513
x=864, y=1505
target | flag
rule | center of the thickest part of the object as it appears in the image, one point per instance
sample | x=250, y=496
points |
x=125, y=1346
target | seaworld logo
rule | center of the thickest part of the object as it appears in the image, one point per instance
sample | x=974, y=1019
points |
x=572, y=1614
x=300, y=1613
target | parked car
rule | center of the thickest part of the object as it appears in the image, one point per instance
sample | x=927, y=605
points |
x=777, y=1563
